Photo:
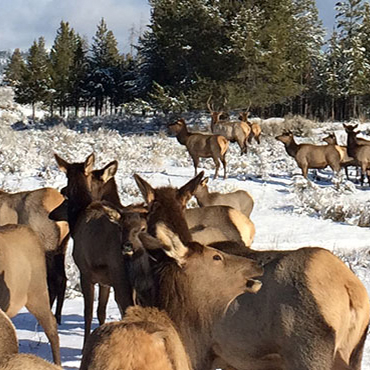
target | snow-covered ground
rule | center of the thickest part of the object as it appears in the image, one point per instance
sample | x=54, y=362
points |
x=289, y=211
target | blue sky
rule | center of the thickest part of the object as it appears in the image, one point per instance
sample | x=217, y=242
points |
x=23, y=21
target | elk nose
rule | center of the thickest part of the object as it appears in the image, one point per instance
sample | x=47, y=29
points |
x=128, y=248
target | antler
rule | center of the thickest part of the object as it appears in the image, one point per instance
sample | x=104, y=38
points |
x=208, y=105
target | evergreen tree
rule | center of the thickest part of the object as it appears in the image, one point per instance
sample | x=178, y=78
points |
x=62, y=59
x=34, y=86
x=15, y=68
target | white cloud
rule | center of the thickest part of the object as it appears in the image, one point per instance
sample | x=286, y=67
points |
x=22, y=21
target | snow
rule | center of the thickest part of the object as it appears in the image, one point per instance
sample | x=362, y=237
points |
x=287, y=213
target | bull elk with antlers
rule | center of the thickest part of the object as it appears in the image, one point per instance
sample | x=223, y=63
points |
x=233, y=131
x=201, y=145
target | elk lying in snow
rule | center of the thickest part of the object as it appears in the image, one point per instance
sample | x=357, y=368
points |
x=10, y=359
x=196, y=284
x=144, y=339
x=345, y=159
x=309, y=155
x=201, y=145
x=32, y=208
x=361, y=153
x=316, y=317
x=239, y=199
x=99, y=231
x=255, y=127
x=233, y=131
x=23, y=269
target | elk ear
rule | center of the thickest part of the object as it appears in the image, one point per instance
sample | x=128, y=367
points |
x=109, y=171
x=60, y=213
x=172, y=244
x=89, y=163
x=62, y=164
x=146, y=190
x=187, y=190
x=204, y=182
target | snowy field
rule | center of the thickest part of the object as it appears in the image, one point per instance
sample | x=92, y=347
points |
x=289, y=211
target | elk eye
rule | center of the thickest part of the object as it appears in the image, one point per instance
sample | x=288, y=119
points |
x=217, y=257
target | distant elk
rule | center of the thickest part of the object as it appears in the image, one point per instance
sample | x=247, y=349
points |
x=145, y=339
x=10, y=359
x=312, y=312
x=201, y=145
x=32, y=208
x=255, y=127
x=309, y=155
x=359, y=151
x=233, y=131
x=239, y=199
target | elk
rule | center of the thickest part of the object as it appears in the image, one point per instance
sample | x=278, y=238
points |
x=144, y=339
x=10, y=359
x=361, y=153
x=99, y=230
x=233, y=131
x=255, y=127
x=345, y=159
x=32, y=208
x=309, y=155
x=201, y=145
x=186, y=272
x=311, y=313
x=239, y=199
x=23, y=282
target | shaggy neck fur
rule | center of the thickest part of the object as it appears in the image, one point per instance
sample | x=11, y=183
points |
x=292, y=148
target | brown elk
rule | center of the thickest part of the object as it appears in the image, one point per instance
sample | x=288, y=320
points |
x=32, y=208
x=239, y=199
x=186, y=273
x=201, y=145
x=255, y=127
x=311, y=313
x=345, y=159
x=309, y=155
x=361, y=153
x=23, y=269
x=99, y=232
x=144, y=339
x=233, y=131
x=10, y=359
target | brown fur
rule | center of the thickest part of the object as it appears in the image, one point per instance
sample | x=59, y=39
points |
x=32, y=208
x=309, y=155
x=361, y=153
x=22, y=261
x=241, y=200
x=191, y=272
x=201, y=145
x=145, y=339
x=255, y=127
x=99, y=232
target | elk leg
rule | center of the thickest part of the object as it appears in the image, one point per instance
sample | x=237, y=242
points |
x=258, y=139
x=223, y=160
x=62, y=282
x=38, y=305
x=195, y=162
x=122, y=290
x=217, y=164
x=102, y=303
x=88, y=292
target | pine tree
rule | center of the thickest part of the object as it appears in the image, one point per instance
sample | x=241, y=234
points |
x=62, y=58
x=15, y=68
x=34, y=86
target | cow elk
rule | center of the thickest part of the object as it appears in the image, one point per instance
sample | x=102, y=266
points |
x=32, y=208
x=239, y=199
x=309, y=155
x=99, y=231
x=361, y=153
x=255, y=127
x=10, y=359
x=23, y=282
x=144, y=339
x=201, y=145
x=186, y=273
x=317, y=313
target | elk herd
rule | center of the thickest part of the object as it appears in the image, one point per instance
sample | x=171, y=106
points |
x=192, y=293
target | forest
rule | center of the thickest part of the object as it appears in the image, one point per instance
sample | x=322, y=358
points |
x=272, y=56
